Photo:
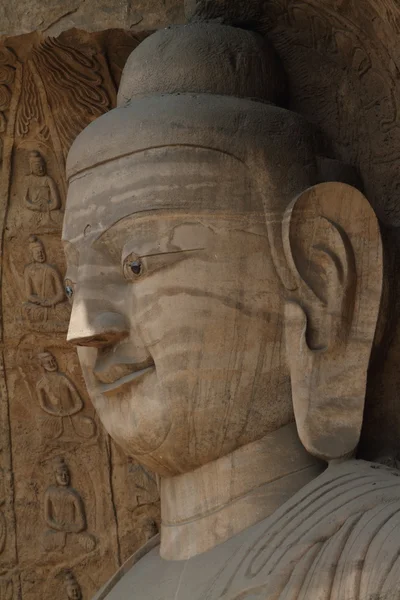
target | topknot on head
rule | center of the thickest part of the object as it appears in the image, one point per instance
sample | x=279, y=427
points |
x=59, y=463
x=34, y=241
x=35, y=155
x=216, y=53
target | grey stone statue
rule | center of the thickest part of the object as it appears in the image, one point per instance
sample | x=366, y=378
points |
x=225, y=278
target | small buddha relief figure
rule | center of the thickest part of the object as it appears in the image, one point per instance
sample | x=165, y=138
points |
x=44, y=290
x=72, y=587
x=41, y=194
x=59, y=398
x=225, y=275
x=64, y=513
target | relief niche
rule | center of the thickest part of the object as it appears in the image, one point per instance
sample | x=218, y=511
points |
x=62, y=522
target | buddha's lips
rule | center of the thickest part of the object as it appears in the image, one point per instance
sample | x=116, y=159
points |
x=129, y=378
x=110, y=368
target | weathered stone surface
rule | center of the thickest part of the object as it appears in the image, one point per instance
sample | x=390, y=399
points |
x=248, y=13
x=226, y=285
x=51, y=17
x=68, y=498
x=342, y=61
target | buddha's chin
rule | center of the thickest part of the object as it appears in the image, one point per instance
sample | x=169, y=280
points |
x=136, y=416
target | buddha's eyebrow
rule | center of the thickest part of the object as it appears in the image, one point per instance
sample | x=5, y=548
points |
x=171, y=252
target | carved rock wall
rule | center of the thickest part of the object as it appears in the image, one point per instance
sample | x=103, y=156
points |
x=52, y=17
x=72, y=506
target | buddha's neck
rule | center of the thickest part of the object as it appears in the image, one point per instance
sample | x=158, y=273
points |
x=219, y=500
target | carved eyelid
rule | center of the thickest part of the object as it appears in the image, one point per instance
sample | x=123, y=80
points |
x=138, y=256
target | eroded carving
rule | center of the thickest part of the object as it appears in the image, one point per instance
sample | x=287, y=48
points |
x=30, y=108
x=44, y=289
x=49, y=90
x=41, y=193
x=72, y=587
x=7, y=75
x=71, y=77
x=64, y=513
x=150, y=528
x=59, y=398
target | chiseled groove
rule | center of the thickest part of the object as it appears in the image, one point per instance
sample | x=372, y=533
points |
x=304, y=563
x=392, y=579
x=393, y=515
x=338, y=539
x=344, y=564
x=301, y=510
x=316, y=523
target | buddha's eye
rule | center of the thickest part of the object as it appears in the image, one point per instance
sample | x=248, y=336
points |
x=69, y=289
x=136, y=267
x=133, y=267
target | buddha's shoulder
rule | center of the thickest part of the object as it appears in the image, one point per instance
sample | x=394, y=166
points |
x=340, y=533
x=144, y=556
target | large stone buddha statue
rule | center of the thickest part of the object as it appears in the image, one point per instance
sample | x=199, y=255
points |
x=225, y=278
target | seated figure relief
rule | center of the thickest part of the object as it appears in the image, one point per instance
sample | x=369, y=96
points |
x=41, y=193
x=226, y=278
x=59, y=398
x=44, y=290
x=64, y=513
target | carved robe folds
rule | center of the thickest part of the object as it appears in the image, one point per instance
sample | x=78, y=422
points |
x=336, y=539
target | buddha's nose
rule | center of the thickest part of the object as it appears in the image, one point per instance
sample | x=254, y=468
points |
x=96, y=328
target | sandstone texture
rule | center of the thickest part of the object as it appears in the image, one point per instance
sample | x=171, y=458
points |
x=73, y=507
x=225, y=275
x=51, y=17
x=60, y=68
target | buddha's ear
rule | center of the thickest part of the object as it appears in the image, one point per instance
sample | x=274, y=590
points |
x=333, y=247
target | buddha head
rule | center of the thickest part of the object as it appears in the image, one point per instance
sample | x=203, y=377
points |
x=36, y=249
x=225, y=277
x=73, y=588
x=48, y=361
x=61, y=472
x=37, y=165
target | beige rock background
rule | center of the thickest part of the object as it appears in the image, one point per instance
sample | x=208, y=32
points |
x=50, y=89
x=51, y=17
x=342, y=60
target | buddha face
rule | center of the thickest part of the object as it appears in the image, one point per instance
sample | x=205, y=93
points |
x=38, y=253
x=37, y=166
x=49, y=363
x=62, y=476
x=177, y=310
x=74, y=591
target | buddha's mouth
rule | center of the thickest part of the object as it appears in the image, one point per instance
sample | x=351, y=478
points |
x=113, y=370
x=106, y=388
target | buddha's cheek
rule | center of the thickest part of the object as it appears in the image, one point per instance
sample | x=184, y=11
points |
x=137, y=417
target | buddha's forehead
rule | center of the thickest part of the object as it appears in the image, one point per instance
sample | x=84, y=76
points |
x=170, y=178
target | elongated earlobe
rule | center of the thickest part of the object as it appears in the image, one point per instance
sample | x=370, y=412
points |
x=333, y=248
